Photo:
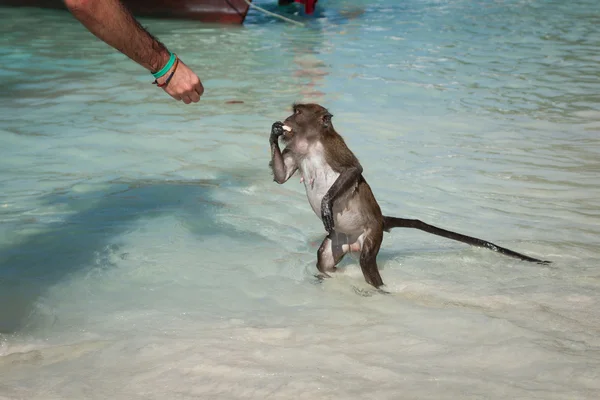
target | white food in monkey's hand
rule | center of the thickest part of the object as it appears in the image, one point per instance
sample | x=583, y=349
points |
x=288, y=131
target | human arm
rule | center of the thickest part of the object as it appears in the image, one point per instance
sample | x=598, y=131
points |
x=112, y=23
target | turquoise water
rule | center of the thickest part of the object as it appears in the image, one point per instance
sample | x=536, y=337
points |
x=145, y=251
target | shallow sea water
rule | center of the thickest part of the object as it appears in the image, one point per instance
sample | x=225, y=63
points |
x=146, y=253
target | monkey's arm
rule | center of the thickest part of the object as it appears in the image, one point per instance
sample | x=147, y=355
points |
x=282, y=164
x=343, y=183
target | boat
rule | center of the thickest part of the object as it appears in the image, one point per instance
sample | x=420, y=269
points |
x=214, y=11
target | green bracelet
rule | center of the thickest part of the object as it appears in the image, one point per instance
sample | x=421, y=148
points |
x=165, y=68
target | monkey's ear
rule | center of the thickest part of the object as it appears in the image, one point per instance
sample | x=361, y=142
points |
x=327, y=120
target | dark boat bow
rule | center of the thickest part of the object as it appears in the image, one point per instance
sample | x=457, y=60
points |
x=215, y=11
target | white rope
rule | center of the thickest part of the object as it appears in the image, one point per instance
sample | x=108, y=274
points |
x=273, y=14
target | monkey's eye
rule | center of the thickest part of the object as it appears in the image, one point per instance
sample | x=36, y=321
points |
x=297, y=111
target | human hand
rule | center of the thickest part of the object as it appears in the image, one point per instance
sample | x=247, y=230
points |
x=184, y=85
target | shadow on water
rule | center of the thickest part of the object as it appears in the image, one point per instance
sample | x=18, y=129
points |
x=43, y=259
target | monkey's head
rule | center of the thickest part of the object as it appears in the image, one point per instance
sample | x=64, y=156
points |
x=308, y=120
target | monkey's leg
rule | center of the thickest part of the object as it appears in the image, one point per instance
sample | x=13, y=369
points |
x=331, y=253
x=368, y=257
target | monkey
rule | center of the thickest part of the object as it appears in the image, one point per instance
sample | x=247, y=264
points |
x=339, y=194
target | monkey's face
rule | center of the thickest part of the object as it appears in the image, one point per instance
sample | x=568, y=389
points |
x=307, y=120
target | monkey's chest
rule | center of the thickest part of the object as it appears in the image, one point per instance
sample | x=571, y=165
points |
x=317, y=177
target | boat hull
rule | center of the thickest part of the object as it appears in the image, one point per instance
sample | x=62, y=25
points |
x=215, y=11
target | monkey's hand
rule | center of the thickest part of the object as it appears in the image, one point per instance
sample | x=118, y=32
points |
x=327, y=213
x=276, y=131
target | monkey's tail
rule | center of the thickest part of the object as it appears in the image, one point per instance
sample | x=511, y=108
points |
x=393, y=222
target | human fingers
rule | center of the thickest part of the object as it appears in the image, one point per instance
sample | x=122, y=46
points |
x=199, y=88
x=194, y=96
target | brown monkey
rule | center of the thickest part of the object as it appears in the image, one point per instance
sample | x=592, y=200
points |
x=339, y=194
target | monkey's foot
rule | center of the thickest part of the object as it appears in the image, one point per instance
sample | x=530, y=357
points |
x=369, y=292
x=325, y=274
x=328, y=271
x=321, y=277
x=381, y=291
x=363, y=292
